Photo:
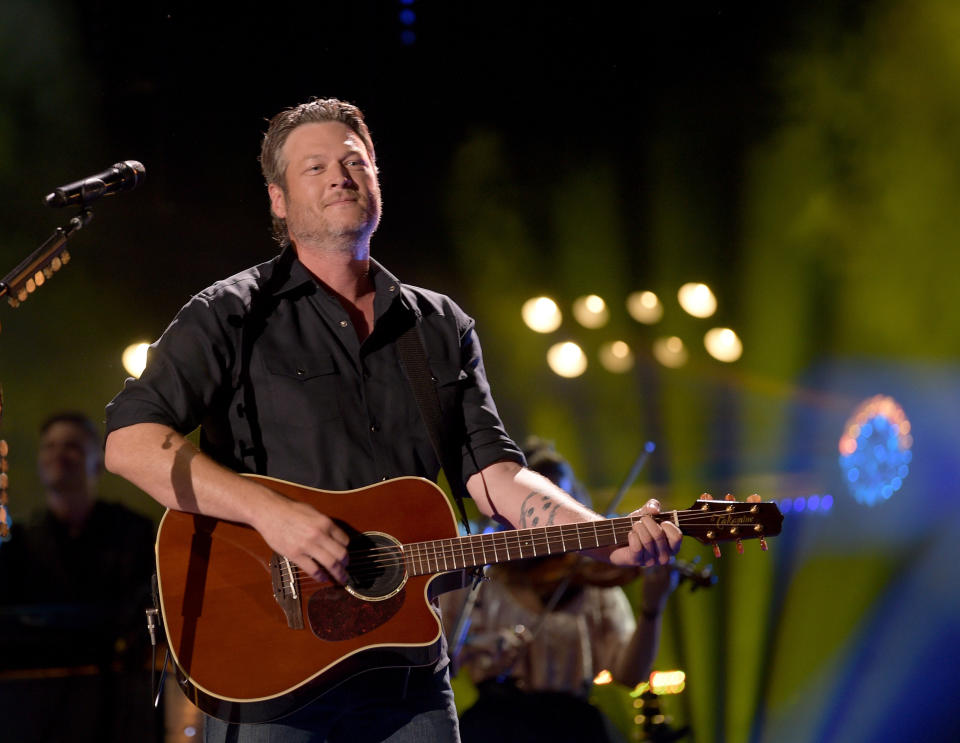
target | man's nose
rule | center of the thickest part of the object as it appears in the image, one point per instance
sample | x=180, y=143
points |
x=341, y=177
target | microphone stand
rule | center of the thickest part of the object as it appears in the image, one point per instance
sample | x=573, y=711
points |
x=31, y=273
x=42, y=263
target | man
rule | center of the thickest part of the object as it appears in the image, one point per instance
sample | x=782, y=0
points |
x=292, y=370
x=74, y=582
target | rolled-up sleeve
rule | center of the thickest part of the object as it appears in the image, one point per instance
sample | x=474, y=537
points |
x=185, y=372
x=487, y=441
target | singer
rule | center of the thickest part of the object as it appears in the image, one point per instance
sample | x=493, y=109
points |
x=292, y=370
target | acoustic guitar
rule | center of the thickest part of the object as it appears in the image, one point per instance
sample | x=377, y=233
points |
x=253, y=638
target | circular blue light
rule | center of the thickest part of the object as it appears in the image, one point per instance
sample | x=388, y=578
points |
x=875, y=449
x=799, y=504
x=407, y=17
x=826, y=503
x=408, y=37
x=813, y=502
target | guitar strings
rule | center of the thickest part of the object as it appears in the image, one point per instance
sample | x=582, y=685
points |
x=510, y=541
x=454, y=551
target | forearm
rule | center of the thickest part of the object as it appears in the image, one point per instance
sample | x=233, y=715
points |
x=520, y=498
x=636, y=660
x=166, y=466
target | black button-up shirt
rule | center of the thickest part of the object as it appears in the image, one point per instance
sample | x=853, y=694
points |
x=269, y=364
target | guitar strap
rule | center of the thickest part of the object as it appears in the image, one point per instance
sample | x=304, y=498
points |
x=414, y=359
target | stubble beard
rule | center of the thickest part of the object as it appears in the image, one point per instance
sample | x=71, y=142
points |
x=349, y=239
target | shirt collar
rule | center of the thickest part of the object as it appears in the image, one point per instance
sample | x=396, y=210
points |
x=288, y=273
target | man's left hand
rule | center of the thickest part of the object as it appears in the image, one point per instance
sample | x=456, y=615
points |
x=649, y=543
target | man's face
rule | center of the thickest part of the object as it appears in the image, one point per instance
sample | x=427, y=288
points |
x=68, y=457
x=332, y=189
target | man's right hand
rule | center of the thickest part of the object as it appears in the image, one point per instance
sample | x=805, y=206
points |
x=309, y=538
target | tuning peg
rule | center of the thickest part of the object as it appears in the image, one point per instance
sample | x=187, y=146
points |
x=763, y=543
x=729, y=496
x=706, y=496
x=739, y=546
x=754, y=498
x=716, y=550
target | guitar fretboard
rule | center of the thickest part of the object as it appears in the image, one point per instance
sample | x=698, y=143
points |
x=441, y=555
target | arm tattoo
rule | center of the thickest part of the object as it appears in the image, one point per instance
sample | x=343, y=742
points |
x=537, y=509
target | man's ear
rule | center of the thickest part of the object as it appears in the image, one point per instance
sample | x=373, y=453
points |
x=278, y=202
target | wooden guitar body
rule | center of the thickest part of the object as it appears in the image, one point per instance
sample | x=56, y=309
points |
x=240, y=656
x=253, y=639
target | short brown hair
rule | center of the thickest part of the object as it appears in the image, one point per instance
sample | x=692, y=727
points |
x=316, y=110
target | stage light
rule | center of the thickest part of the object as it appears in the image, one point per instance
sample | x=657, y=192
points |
x=616, y=357
x=670, y=352
x=723, y=344
x=645, y=307
x=567, y=359
x=697, y=300
x=541, y=314
x=604, y=677
x=134, y=359
x=591, y=311
x=667, y=682
x=875, y=449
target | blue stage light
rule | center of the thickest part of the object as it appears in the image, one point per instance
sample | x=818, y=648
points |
x=875, y=450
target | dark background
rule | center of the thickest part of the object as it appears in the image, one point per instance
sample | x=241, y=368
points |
x=798, y=157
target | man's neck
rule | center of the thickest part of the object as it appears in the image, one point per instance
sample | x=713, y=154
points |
x=344, y=269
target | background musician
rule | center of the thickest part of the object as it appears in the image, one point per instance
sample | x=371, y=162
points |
x=541, y=629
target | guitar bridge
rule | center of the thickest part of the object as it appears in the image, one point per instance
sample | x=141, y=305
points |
x=286, y=589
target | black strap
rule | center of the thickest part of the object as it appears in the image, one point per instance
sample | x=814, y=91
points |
x=414, y=359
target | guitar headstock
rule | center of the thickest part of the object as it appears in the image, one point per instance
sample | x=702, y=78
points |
x=711, y=521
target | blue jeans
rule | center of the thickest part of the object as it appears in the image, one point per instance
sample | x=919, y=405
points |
x=384, y=706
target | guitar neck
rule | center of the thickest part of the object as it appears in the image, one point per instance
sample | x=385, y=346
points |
x=441, y=555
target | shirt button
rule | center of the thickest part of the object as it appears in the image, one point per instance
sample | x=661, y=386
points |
x=343, y=323
x=392, y=288
x=374, y=427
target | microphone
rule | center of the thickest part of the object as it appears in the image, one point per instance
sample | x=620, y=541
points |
x=118, y=177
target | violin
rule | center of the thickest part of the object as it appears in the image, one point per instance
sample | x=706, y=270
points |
x=543, y=574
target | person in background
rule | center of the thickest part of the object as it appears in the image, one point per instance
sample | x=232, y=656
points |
x=74, y=582
x=541, y=629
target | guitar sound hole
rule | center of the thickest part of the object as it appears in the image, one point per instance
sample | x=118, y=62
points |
x=376, y=570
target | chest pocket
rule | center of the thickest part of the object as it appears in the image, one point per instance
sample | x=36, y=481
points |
x=449, y=379
x=302, y=391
